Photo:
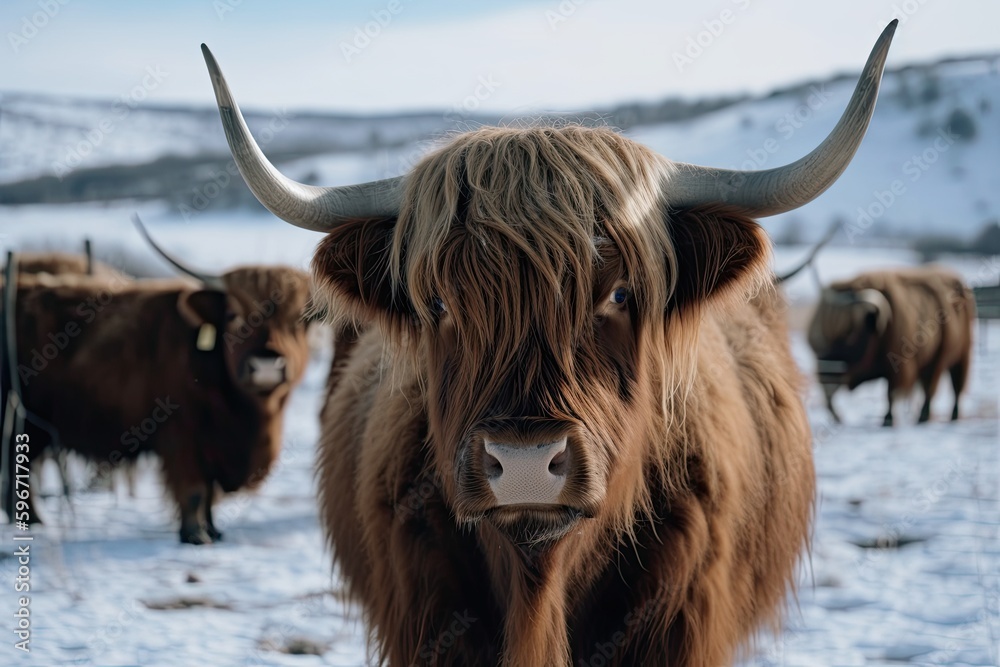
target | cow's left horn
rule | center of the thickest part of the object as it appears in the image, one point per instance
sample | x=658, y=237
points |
x=209, y=280
x=883, y=311
x=320, y=209
x=773, y=191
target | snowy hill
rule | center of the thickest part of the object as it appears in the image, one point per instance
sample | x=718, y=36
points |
x=928, y=163
x=927, y=166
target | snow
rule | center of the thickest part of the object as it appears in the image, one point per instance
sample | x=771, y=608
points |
x=930, y=489
x=904, y=567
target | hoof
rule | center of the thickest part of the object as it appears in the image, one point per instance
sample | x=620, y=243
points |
x=195, y=536
x=214, y=534
x=887, y=421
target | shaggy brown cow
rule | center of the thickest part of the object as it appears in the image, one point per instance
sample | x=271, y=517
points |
x=199, y=377
x=266, y=339
x=571, y=430
x=904, y=326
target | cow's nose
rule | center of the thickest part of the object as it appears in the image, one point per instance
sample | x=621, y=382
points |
x=266, y=371
x=526, y=474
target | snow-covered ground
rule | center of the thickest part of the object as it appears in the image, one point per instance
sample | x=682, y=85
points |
x=905, y=563
x=904, y=569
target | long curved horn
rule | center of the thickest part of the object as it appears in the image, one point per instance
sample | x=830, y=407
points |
x=812, y=254
x=773, y=191
x=320, y=209
x=211, y=281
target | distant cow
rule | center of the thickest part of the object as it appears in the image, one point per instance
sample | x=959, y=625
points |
x=266, y=338
x=57, y=263
x=199, y=377
x=571, y=430
x=905, y=326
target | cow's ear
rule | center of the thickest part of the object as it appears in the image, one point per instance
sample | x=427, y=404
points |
x=719, y=253
x=351, y=267
x=205, y=312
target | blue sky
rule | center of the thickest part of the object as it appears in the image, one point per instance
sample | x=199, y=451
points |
x=520, y=56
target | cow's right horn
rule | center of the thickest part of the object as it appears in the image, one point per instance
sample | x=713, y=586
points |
x=320, y=209
x=782, y=189
x=209, y=280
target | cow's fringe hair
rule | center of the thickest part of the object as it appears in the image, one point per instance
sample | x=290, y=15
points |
x=498, y=183
x=589, y=185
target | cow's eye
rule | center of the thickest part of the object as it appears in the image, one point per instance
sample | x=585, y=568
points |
x=437, y=305
x=619, y=296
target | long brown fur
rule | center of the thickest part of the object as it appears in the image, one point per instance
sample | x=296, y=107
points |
x=929, y=331
x=683, y=410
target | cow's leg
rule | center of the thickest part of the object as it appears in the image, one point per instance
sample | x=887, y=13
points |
x=192, y=527
x=131, y=470
x=888, y=413
x=929, y=383
x=189, y=494
x=959, y=375
x=210, y=528
x=181, y=474
x=829, y=390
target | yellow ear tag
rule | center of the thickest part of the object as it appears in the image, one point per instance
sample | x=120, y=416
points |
x=206, y=338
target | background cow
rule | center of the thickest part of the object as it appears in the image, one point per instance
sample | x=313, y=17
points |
x=572, y=426
x=905, y=326
x=199, y=377
x=112, y=366
x=266, y=337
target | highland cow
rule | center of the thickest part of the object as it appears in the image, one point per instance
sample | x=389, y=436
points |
x=905, y=326
x=199, y=377
x=569, y=427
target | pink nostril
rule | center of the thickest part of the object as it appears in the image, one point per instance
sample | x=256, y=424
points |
x=526, y=474
x=558, y=464
x=491, y=466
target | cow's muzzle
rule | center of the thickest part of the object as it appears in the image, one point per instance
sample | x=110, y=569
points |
x=264, y=372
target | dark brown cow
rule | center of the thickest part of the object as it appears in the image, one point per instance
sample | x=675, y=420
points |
x=266, y=339
x=904, y=326
x=571, y=429
x=199, y=377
